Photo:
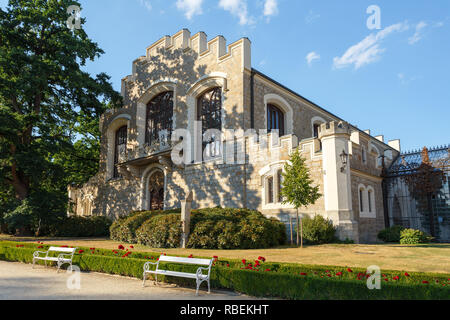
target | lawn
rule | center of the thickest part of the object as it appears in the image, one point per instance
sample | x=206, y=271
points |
x=414, y=258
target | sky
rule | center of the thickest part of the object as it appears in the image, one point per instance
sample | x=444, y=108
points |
x=387, y=72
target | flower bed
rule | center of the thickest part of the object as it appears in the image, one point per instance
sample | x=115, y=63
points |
x=258, y=277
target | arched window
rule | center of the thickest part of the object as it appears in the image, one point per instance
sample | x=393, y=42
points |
x=275, y=119
x=369, y=199
x=159, y=118
x=209, y=112
x=120, y=148
x=279, y=185
x=270, y=192
x=361, y=200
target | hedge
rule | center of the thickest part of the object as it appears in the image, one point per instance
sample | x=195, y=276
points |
x=283, y=280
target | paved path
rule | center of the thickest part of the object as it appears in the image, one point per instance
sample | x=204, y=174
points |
x=19, y=281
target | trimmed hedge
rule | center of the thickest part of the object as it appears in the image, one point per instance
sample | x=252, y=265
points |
x=283, y=280
x=216, y=228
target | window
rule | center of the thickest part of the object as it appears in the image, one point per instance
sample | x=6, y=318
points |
x=119, y=148
x=363, y=155
x=275, y=119
x=270, y=190
x=369, y=199
x=209, y=112
x=159, y=118
x=361, y=200
x=316, y=129
x=279, y=182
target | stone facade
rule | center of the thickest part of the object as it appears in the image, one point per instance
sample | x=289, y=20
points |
x=249, y=177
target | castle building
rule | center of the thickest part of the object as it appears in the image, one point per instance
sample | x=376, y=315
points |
x=234, y=128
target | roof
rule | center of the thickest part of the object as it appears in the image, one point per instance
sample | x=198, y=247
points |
x=408, y=161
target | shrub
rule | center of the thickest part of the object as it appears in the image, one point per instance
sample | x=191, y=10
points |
x=75, y=226
x=161, y=231
x=318, y=230
x=391, y=234
x=124, y=229
x=210, y=228
x=412, y=236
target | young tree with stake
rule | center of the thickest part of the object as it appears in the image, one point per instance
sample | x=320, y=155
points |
x=297, y=188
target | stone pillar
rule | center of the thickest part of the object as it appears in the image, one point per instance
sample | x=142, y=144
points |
x=185, y=219
x=335, y=138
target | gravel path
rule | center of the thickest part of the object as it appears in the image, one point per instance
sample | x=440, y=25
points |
x=20, y=281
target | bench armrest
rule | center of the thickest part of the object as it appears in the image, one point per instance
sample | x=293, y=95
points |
x=200, y=273
x=36, y=253
x=147, y=265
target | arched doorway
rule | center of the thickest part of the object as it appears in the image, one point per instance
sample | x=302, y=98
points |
x=156, y=190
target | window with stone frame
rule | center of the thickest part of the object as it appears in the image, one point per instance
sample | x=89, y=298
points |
x=270, y=193
x=275, y=119
x=120, y=147
x=279, y=185
x=361, y=200
x=209, y=112
x=159, y=118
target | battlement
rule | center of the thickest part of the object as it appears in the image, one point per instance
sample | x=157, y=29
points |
x=334, y=128
x=198, y=43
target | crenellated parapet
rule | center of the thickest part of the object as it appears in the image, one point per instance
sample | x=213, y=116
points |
x=198, y=43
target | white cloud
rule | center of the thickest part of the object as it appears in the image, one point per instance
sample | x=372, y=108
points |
x=146, y=4
x=368, y=50
x=311, y=17
x=270, y=8
x=239, y=9
x=418, y=34
x=406, y=80
x=310, y=57
x=190, y=7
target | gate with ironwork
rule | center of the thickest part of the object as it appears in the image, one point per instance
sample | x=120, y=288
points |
x=416, y=192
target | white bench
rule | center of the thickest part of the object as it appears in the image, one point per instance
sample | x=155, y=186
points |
x=198, y=276
x=61, y=259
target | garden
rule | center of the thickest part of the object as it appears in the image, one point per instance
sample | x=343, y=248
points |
x=258, y=277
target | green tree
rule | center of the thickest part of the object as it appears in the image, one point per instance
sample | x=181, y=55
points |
x=49, y=106
x=297, y=186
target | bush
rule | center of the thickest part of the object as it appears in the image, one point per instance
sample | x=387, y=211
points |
x=161, y=231
x=210, y=228
x=391, y=234
x=318, y=230
x=412, y=236
x=75, y=226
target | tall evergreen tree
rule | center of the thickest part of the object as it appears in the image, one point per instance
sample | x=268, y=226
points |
x=47, y=101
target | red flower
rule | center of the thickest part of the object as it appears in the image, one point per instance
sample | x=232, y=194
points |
x=131, y=247
x=303, y=273
x=396, y=278
x=244, y=261
x=191, y=256
x=329, y=275
x=386, y=280
x=339, y=273
x=406, y=274
x=267, y=269
x=80, y=251
x=349, y=270
x=262, y=259
x=39, y=247
x=228, y=265
x=425, y=282
x=64, y=246
x=121, y=247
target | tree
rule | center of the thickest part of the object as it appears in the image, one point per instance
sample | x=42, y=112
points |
x=297, y=188
x=47, y=102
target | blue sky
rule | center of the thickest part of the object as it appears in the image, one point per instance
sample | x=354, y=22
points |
x=394, y=80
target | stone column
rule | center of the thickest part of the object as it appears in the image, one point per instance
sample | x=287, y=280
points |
x=335, y=138
x=185, y=219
